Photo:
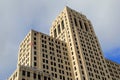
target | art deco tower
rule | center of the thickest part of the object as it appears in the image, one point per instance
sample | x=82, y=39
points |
x=71, y=52
x=84, y=49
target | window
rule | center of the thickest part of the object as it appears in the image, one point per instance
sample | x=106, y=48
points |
x=75, y=21
x=59, y=31
x=83, y=78
x=35, y=58
x=63, y=77
x=35, y=34
x=86, y=28
x=43, y=66
x=80, y=24
x=76, y=73
x=76, y=78
x=34, y=47
x=39, y=77
x=55, y=33
x=35, y=64
x=34, y=76
x=34, y=38
x=62, y=24
x=55, y=75
x=23, y=73
x=35, y=52
x=49, y=79
x=28, y=74
x=23, y=79
x=60, y=77
x=45, y=78
x=34, y=43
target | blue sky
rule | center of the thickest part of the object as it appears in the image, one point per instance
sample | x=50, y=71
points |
x=17, y=17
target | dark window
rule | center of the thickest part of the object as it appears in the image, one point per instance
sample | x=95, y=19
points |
x=35, y=64
x=55, y=33
x=34, y=76
x=28, y=74
x=23, y=79
x=34, y=47
x=34, y=38
x=39, y=77
x=63, y=77
x=83, y=78
x=80, y=24
x=75, y=21
x=45, y=78
x=34, y=52
x=47, y=61
x=60, y=77
x=49, y=79
x=86, y=28
x=62, y=24
x=43, y=66
x=59, y=31
x=35, y=34
x=23, y=73
x=35, y=58
x=34, y=43
x=55, y=75
x=76, y=78
x=44, y=60
x=47, y=67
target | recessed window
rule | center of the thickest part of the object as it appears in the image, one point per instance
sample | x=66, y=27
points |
x=35, y=58
x=80, y=23
x=23, y=73
x=50, y=79
x=34, y=38
x=35, y=64
x=86, y=27
x=55, y=33
x=28, y=74
x=35, y=34
x=45, y=78
x=62, y=23
x=23, y=79
x=34, y=75
x=59, y=30
x=75, y=21
x=39, y=77
x=35, y=52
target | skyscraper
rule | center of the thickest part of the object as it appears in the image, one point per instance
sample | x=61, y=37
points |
x=85, y=53
x=71, y=52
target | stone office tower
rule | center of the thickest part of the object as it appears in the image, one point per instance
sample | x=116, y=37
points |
x=84, y=49
x=71, y=52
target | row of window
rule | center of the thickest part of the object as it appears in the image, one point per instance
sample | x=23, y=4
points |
x=114, y=70
x=34, y=75
x=59, y=28
x=61, y=55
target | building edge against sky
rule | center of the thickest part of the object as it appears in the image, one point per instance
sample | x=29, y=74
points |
x=71, y=52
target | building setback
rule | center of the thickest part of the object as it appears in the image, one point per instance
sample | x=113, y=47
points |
x=29, y=73
x=71, y=52
x=114, y=69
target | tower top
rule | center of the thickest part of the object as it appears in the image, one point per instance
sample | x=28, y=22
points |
x=67, y=8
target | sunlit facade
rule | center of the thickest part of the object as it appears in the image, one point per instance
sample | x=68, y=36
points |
x=71, y=52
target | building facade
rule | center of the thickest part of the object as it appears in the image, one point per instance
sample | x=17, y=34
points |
x=71, y=52
x=29, y=73
x=114, y=69
x=85, y=52
x=46, y=53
